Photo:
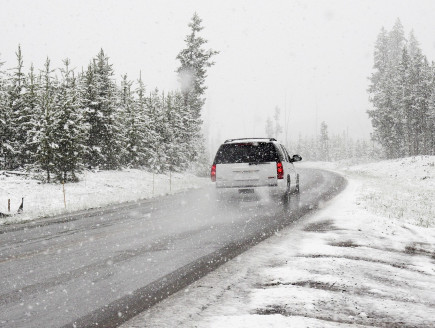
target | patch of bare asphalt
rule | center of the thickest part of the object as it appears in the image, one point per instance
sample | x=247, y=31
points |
x=346, y=317
x=321, y=226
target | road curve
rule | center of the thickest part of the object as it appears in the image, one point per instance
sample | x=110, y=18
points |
x=102, y=267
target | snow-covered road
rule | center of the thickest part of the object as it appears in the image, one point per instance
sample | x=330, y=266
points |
x=109, y=264
x=367, y=259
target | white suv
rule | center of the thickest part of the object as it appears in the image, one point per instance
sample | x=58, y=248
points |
x=251, y=163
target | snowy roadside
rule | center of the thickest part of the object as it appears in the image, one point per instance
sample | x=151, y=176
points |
x=366, y=259
x=95, y=189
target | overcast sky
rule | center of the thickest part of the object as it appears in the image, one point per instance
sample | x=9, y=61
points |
x=305, y=57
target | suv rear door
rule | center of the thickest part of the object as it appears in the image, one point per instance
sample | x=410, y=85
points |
x=246, y=164
x=289, y=167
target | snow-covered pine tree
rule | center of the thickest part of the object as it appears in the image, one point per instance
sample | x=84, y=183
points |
x=430, y=116
x=419, y=76
x=388, y=54
x=192, y=72
x=400, y=111
x=277, y=119
x=89, y=97
x=183, y=119
x=69, y=128
x=172, y=132
x=43, y=122
x=396, y=42
x=104, y=148
x=426, y=90
x=6, y=132
x=145, y=125
x=133, y=124
x=32, y=85
x=19, y=118
x=167, y=133
x=324, y=142
x=175, y=135
x=158, y=162
x=379, y=90
x=364, y=149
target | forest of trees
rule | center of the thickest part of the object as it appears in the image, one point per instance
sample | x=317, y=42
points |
x=402, y=92
x=55, y=122
x=337, y=147
x=322, y=147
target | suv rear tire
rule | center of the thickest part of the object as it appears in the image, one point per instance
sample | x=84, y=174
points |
x=297, y=190
x=287, y=194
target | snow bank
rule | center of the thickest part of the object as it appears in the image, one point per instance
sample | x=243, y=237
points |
x=403, y=189
x=95, y=189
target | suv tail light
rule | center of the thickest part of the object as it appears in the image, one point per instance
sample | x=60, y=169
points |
x=279, y=171
x=213, y=173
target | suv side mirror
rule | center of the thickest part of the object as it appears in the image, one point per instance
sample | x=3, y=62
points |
x=296, y=158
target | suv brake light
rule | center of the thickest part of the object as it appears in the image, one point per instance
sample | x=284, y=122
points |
x=213, y=173
x=279, y=171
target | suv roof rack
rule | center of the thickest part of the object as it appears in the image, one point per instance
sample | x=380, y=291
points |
x=230, y=140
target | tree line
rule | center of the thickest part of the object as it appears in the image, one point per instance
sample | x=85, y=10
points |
x=55, y=122
x=402, y=92
x=322, y=147
x=336, y=147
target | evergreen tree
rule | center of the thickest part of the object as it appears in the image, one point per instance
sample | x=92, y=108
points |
x=380, y=61
x=19, y=118
x=157, y=163
x=104, y=149
x=420, y=77
x=400, y=111
x=176, y=135
x=324, y=142
x=145, y=124
x=6, y=131
x=194, y=61
x=69, y=128
x=43, y=122
x=396, y=42
x=133, y=125
x=277, y=119
x=169, y=132
x=32, y=85
x=430, y=116
x=381, y=93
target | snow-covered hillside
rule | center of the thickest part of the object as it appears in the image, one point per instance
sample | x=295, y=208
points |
x=94, y=190
x=365, y=259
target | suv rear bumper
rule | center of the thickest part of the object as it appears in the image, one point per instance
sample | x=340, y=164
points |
x=245, y=186
x=275, y=187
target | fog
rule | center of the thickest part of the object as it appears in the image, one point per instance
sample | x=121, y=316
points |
x=310, y=58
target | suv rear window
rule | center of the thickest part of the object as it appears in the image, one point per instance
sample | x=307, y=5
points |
x=246, y=153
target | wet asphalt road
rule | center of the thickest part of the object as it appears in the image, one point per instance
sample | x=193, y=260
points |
x=102, y=267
